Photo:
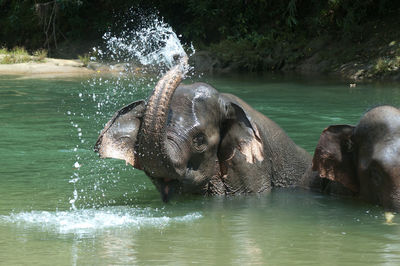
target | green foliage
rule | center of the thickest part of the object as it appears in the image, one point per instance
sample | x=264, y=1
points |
x=15, y=56
x=18, y=25
x=239, y=52
x=382, y=65
x=3, y=50
x=203, y=22
x=85, y=59
x=255, y=52
x=19, y=51
x=13, y=59
x=20, y=55
x=40, y=55
x=387, y=65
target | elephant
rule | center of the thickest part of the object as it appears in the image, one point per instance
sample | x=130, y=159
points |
x=362, y=160
x=191, y=139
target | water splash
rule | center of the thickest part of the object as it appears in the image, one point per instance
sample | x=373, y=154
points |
x=155, y=44
x=88, y=221
x=151, y=43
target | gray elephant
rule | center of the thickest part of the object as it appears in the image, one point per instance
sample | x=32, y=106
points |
x=361, y=160
x=192, y=139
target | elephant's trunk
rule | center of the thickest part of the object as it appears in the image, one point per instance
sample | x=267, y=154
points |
x=152, y=151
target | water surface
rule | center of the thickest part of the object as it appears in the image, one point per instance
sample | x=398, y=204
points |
x=61, y=205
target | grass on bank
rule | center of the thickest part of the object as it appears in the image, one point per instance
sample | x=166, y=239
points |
x=20, y=55
x=390, y=62
x=384, y=65
x=85, y=59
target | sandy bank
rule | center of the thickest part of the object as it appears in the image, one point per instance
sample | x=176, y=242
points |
x=50, y=68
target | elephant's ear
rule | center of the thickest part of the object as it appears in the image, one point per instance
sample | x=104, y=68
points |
x=239, y=133
x=119, y=136
x=240, y=152
x=333, y=156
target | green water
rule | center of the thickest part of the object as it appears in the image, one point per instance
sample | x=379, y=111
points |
x=61, y=205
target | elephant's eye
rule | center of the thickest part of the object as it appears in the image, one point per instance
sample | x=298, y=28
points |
x=200, y=142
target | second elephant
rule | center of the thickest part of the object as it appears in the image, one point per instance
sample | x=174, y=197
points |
x=361, y=160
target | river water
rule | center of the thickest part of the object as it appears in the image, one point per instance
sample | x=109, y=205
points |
x=61, y=205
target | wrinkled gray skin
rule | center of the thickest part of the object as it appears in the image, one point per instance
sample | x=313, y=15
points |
x=211, y=144
x=361, y=160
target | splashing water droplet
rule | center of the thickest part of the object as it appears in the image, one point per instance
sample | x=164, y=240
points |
x=154, y=43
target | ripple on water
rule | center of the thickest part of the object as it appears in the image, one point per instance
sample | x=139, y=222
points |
x=88, y=221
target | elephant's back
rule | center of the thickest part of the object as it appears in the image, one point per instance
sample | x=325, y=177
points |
x=381, y=119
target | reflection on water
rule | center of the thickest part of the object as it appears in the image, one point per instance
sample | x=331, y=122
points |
x=119, y=217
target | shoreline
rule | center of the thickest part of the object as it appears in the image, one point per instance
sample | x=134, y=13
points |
x=202, y=61
x=64, y=68
x=51, y=67
x=318, y=63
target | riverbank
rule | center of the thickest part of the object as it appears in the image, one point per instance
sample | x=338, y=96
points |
x=358, y=40
x=372, y=55
x=57, y=68
x=205, y=62
x=375, y=58
x=353, y=62
x=48, y=68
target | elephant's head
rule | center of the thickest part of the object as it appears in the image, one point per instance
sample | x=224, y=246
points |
x=364, y=158
x=181, y=136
